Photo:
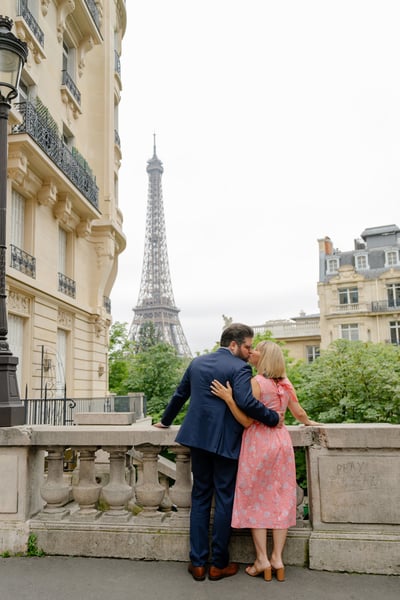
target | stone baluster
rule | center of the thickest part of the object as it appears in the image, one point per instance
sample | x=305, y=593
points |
x=149, y=493
x=86, y=493
x=181, y=491
x=117, y=492
x=55, y=491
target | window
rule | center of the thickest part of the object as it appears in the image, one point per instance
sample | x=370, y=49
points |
x=16, y=342
x=361, y=262
x=312, y=353
x=394, y=328
x=62, y=251
x=349, y=332
x=17, y=220
x=393, y=294
x=348, y=295
x=61, y=362
x=332, y=265
x=68, y=62
x=392, y=258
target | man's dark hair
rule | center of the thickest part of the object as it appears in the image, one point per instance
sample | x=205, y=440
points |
x=236, y=332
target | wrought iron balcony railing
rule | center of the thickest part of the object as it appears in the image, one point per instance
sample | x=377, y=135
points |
x=71, y=86
x=107, y=304
x=117, y=139
x=94, y=11
x=117, y=63
x=38, y=127
x=66, y=285
x=22, y=261
x=30, y=20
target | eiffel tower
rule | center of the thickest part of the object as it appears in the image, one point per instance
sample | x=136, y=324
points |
x=156, y=302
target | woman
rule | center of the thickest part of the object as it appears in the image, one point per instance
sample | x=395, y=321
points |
x=265, y=494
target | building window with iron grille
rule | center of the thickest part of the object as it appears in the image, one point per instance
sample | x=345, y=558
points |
x=20, y=238
x=393, y=294
x=349, y=331
x=394, y=329
x=348, y=295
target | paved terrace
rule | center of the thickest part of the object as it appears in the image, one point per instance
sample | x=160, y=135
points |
x=67, y=578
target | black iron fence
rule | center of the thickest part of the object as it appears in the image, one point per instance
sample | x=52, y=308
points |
x=61, y=411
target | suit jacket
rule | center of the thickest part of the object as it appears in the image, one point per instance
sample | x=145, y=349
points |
x=209, y=423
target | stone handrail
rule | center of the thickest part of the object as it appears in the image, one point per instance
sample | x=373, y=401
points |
x=116, y=504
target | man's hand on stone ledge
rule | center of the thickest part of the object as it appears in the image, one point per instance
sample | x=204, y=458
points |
x=160, y=425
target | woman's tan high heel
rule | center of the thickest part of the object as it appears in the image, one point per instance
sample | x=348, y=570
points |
x=280, y=573
x=253, y=572
x=268, y=574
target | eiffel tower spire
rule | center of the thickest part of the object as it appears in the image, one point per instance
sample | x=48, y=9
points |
x=156, y=302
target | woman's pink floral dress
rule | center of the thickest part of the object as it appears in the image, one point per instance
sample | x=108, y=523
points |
x=265, y=495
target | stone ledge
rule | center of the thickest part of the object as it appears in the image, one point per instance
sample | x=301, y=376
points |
x=102, y=418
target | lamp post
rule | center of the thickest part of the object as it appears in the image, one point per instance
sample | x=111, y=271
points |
x=13, y=55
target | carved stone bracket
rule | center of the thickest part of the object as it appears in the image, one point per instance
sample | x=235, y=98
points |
x=35, y=49
x=99, y=323
x=62, y=211
x=47, y=195
x=84, y=47
x=71, y=105
x=45, y=6
x=105, y=250
x=65, y=8
x=84, y=228
x=17, y=167
x=18, y=171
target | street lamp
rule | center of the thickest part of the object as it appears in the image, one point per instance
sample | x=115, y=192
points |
x=13, y=55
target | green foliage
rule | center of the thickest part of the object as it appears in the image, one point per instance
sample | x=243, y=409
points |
x=32, y=547
x=151, y=367
x=156, y=372
x=121, y=352
x=352, y=382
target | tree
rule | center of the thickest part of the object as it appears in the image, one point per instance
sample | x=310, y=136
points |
x=121, y=351
x=156, y=372
x=352, y=382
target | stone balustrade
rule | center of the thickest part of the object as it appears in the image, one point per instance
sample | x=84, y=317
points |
x=124, y=500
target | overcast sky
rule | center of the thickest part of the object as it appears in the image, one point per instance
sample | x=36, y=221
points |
x=278, y=123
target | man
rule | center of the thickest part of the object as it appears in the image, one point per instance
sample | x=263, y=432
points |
x=214, y=437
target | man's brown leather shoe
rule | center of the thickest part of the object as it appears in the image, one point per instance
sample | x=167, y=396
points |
x=214, y=573
x=198, y=573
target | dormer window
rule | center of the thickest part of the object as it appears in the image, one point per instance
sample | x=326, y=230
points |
x=361, y=262
x=332, y=265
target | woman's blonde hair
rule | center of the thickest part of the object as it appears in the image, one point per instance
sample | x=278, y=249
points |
x=272, y=361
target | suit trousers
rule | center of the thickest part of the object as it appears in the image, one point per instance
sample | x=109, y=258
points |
x=213, y=475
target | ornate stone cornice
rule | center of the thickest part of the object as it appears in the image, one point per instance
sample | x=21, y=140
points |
x=18, y=303
x=64, y=319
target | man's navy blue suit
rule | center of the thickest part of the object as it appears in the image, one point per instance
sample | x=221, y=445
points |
x=214, y=437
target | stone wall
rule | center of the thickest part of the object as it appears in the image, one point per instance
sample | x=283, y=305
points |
x=353, y=475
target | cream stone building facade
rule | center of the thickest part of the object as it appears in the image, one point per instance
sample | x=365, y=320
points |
x=64, y=227
x=359, y=290
x=358, y=293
